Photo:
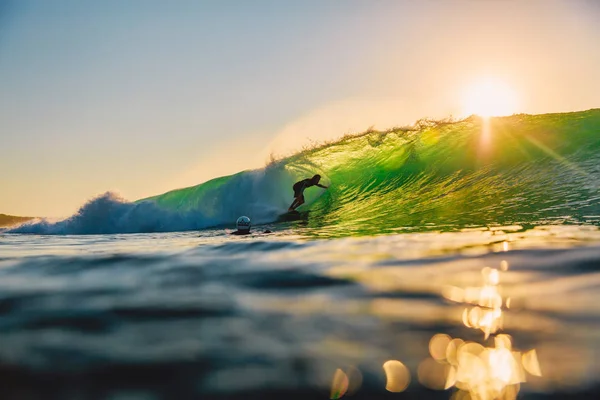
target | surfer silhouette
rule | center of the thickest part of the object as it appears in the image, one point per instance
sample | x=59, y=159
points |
x=299, y=190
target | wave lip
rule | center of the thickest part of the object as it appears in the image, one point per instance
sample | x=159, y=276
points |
x=108, y=213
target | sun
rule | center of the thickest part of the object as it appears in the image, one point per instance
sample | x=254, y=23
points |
x=489, y=98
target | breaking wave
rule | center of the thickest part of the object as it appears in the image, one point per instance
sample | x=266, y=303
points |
x=522, y=169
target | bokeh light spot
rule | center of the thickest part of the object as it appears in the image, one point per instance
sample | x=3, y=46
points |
x=438, y=345
x=339, y=385
x=398, y=376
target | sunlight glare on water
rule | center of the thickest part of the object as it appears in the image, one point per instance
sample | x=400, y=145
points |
x=397, y=375
x=485, y=373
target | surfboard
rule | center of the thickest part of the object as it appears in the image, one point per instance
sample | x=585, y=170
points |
x=293, y=216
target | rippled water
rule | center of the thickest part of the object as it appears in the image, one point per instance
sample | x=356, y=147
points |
x=206, y=315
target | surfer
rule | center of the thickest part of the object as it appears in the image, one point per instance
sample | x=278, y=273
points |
x=299, y=190
x=243, y=226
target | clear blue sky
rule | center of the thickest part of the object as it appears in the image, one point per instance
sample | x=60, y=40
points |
x=144, y=96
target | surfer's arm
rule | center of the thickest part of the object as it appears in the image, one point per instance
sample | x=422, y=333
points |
x=321, y=186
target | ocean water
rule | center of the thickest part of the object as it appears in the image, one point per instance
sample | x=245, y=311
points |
x=285, y=315
x=446, y=260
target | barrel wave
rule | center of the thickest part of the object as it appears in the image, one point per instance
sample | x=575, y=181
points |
x=517, y=170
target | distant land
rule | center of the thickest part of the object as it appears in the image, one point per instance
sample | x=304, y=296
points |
x=8, y=220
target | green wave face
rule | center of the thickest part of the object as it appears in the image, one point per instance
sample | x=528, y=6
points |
x=521, y=169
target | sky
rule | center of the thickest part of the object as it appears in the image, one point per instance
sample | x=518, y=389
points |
x=140, y=97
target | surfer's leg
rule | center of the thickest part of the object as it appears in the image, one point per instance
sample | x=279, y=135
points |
x=294, y=205
x=298, y=201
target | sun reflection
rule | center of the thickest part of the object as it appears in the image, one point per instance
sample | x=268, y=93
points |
x=484, y=372
x=478, y=372
x=354, y=379
x=438, y=345
x=472, y=370
x=432, y=374
x=345, y=382
x=398, y=376
x=531, y=364
x=486, y=314
x=339, y=385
